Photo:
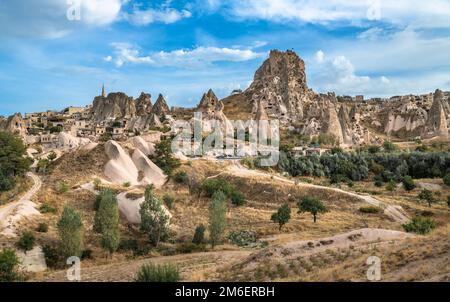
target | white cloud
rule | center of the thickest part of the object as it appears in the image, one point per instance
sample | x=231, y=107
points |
x=384, y=80
x=127, y=53
x=163, y=15
x=48, y=18
x=108, y=58
x=338, y=74
x=320, y=56
x=100, y=12
x=430, y=13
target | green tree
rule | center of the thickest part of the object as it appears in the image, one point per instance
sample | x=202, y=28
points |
x=154, y=219
x=164, y=158
x=282, y=216
x=8, y=266
x=106, y=220
x=12, y=160
x=427, y=196
x=199, y=235
x=217, y=217
x=70, y=228
x=311, y=205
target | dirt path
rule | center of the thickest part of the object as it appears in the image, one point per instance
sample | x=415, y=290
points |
x=15, y=211
x=395, y=212
x=193, y=267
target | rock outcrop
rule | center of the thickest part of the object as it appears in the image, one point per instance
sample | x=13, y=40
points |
x=120, y=168
x=150, y=173
x=208, y=103
x=280, y=86
x=212, y=112
x=114, y=106
x=346, y=126
x=160, y=108
x=331, y=123
x=144, y=104
x=14, y=124
x=138, y=169
x=436, y=124
x=261, y=113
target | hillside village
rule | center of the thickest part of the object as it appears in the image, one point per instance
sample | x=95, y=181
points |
x=279, y=91
x=368, y=176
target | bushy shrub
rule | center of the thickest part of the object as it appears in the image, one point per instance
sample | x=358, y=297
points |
x=46, y=208
x=158, y=273
x=8, y=266
x=389, y=146
x=426, y=196
x=391, y=186
x=248, y=162
x=86, y=254
x=211, y=186
x=128, y=245
x=42, y=228
x=408, y=183
x=26, y=241
x=378, y=183
x=169, y=201
x=243, y=238
x=370, y=210
x=446, y=179
x=420, y=225
x=237, y=198
x=52, y=256
x=199, y=235
x=6, y=184
x=181, y=177
x=126, y=184
x=63, y=187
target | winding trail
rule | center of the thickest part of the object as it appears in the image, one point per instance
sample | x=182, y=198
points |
x=15, y=211
x=394, y=212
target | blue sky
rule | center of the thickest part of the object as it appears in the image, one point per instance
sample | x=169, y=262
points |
x=183, y=48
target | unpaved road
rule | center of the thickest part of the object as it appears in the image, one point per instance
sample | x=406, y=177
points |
x=205, y=266
x=395, y=212
x=15, y=211
x=193, y=267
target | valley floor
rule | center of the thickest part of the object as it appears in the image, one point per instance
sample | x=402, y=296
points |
x=335, y=248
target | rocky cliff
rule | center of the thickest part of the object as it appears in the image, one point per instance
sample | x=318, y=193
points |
x=144, y=104
x=280, y=86
x=436, y=124
x=114, y=106
x=14, y=124
x=160, y=108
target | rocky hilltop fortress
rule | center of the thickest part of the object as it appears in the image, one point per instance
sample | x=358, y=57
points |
x=279, y=91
